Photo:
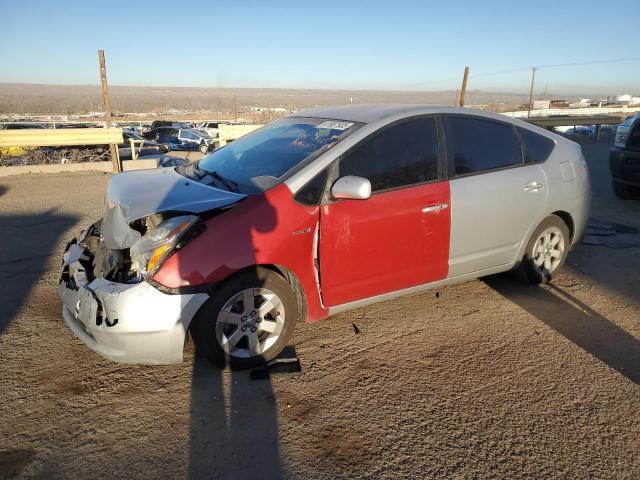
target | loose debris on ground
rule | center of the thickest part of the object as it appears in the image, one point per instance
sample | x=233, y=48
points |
x=49, y=155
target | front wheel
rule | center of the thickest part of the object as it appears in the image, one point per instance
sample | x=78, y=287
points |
x=203, y=148
x=247, y=321
x=546, y=251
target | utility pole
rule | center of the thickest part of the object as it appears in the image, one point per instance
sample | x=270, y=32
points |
x=113, y=150
x=464, y=86
x=235, y=107
x=533, y=78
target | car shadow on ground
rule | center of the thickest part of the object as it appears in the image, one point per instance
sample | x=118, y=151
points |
x=26, y=244
x=234, y=430
x=576, y=321
x=234, y=425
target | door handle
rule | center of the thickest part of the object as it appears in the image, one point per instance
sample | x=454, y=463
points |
x=435, y=208
x=533, y=186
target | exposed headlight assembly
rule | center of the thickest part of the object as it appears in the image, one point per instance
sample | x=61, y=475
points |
x=148, y=253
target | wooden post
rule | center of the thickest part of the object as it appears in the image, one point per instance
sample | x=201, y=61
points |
x=464, y=86
x=235, y=108
x=533, y=78
x=113, y=149
x=134, y=155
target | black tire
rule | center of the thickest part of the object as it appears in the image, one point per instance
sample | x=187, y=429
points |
x=203, y=326
x=527, y=270
x=167, y=147
x=203, y=148
x=624, y=191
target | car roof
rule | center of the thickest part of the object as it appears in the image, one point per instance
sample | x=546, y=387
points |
x=373, y=113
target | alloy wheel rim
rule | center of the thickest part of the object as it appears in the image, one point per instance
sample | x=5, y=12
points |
x=250, y=322
x=548, y=250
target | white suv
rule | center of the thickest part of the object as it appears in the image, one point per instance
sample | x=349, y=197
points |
x=210, y=128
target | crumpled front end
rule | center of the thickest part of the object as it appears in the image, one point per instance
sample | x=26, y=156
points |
x=110, y=302
x=117, y=314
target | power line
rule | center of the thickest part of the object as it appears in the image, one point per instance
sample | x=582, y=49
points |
x=556, y=65
x=524, y=69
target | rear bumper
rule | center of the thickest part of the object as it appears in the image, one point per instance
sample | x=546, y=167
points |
x=128, y=323
x=625, y=166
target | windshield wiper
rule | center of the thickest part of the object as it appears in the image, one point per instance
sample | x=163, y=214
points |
x=230, y=184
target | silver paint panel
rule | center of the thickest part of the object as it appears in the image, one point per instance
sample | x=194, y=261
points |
x=491, y=213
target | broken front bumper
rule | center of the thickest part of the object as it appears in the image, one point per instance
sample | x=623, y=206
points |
x=129, y=323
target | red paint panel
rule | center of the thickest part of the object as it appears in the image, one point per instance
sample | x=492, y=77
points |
x=264, y=229
x=386, y=243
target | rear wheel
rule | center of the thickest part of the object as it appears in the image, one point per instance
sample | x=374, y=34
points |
x=546, y=251
x=247, y=321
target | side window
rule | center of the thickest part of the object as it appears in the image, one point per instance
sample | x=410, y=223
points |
x=311, y=193
x=633, y=143
x=476, y=145
x=402, y=155
x=537, y=147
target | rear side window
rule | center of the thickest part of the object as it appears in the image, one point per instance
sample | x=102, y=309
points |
x=402, y=155
x=537, y=148
x=476, y=145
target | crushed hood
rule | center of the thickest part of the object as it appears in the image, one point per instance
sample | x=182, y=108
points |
x=137, y=194
x=144, y=192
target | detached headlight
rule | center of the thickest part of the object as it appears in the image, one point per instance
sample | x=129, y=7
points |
x=148, y=253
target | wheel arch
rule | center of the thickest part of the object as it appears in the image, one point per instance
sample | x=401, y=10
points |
x=563, y=215
x=568, y=220
x=288, y=275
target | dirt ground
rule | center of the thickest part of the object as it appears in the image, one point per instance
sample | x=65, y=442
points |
x=486, y=379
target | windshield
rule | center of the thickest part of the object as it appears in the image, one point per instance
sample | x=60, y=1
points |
x=258, y=161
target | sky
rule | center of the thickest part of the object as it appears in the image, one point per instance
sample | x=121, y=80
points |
x=347, y=44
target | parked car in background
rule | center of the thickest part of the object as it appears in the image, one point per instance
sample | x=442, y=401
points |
x=20, y=126
x=624, y=159
x=314, y=214
x=149, y=147
x=170, y=123
x=211, y=128
x=170, y=161
x=180, y=139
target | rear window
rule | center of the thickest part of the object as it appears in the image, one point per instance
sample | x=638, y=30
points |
x=476, y=145
x=537, y=147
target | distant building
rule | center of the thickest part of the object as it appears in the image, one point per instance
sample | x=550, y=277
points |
x=268, y=109
x=582, y=103
x=541, y=104
x=623, y=100
x=558, y=104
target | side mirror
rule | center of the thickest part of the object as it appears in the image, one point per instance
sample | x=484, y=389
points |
x=351, y=187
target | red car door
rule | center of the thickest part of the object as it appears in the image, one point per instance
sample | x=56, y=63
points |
x=399, y=237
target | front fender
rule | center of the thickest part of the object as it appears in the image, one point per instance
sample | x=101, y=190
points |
x=267, y=229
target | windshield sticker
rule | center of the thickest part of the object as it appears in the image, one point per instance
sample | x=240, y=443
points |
x=335, y=125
